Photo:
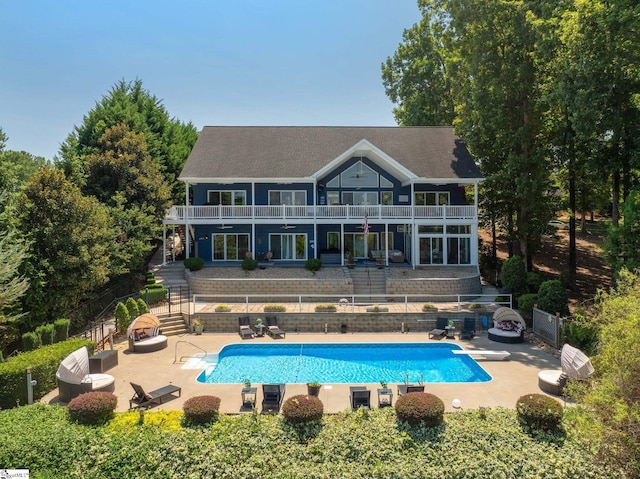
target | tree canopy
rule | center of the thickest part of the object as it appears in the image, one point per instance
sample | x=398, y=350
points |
x=168, y=141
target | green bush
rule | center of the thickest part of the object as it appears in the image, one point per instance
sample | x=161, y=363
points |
x=581, y=333
x=326, y=308
x=93, y=407
x=552, y=297
x=123, y=319
x=513, y=275
x=526, y=302
x=201, y=409
x=142, y=306
x=46, y=332
x=420, y=408
x=313, y=264
x=534, y=280
x=44, y=363
x=132, y=307
x=275, y=308
x=193, y=264
x=31, y=341
x=539, y=412
x=154, y=295
x=249, y=264
x=61, y=330
x=155, y=286
x=302, y=409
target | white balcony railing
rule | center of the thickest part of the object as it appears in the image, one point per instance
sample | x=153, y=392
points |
x=304, y=212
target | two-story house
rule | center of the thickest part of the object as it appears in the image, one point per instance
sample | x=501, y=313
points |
x=401, y=194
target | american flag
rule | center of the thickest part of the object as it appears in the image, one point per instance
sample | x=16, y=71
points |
x=365, y=227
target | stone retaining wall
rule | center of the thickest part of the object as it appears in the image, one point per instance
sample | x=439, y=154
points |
x=440, y=286
x=216, y=286
x=292, y=323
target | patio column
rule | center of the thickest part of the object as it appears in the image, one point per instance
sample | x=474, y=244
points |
x=186, y=220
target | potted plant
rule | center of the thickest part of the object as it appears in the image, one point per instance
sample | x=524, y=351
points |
x=313, y=388
x=247, y=383
x=198, y=327
x=259, y=327
x=383, y=384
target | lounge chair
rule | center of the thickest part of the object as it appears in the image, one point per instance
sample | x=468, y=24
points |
x=360, y=397
x=244, y=330
x=272, y=395
x=143, y=399
x=272, y=327
x=410, y=388
x=468, y=329
x=440, y=330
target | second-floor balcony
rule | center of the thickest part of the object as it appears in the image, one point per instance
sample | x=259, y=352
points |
x=181, y=214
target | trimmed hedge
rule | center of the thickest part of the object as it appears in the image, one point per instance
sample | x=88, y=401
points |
x=526, y=302
x=132, y=307
x=420, y=409
x=201, y=409
x=44, y=363
x=93, y=407
x=142, y=306
x=123, y=320
x=46, y=332
x=155, y=295
x=513, y=275
x=249, y=264
x=61, y=330
x=193, y=264
x=552, y=297
x=313, y=264
x=302, y=409
x=540, y=412
x=31, y=341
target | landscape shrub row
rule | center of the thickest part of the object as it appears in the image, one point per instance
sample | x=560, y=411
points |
x=356, y=444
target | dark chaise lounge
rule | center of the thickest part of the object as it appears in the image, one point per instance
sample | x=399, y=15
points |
x=143, y=399
x=360, y=397
x=245, y=330
x=272, y=395
x=272, y=327
x=410, y=388
x=439, y=331
x=468, y=329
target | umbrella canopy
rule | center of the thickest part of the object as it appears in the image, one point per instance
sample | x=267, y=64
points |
x=575, y=363
x=145, y=321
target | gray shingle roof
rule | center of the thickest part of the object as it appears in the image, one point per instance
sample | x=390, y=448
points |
x=298, y=152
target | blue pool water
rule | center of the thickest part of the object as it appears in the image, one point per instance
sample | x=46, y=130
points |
x=343, y=363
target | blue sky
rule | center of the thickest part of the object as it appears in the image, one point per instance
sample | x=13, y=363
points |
x=215, y=62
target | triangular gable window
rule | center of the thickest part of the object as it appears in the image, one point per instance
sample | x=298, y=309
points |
x=359, y=175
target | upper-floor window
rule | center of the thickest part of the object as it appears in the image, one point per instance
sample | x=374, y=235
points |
x=360, y=198
x=431, y=198
x=296, y=197
x=359, y=175
x=227, y=198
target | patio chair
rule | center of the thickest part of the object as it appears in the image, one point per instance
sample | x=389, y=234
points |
x=468, y=329
x=440, y=330
x=244, y=330
x=272, y=395
x=272, y=327
x=410, y=388
x=360, y=397
x=144, y=399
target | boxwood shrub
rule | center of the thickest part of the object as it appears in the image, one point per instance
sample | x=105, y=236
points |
x=154, y=295
x=44, y=363
x=249, y=264
x=420, y=408
x=313, y=264
x=201, y=409
x=46, y=332
x=132, y=307
x=526, y=302
x=193, y=264
x=142, y=306
x=93, y=407
x=302, y=409
x=540, y=412
x=31, y=341
x=61, y=330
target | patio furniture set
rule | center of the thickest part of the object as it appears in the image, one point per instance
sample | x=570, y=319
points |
x=271, y=328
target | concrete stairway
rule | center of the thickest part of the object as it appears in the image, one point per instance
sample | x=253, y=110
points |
x=172, y=324
x=368, y=281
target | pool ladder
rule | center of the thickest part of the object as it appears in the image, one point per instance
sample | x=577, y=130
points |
x=420, y=381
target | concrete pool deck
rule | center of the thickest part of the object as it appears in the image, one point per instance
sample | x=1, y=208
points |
x=512, y=378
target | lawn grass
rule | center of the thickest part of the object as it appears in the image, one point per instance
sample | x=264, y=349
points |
x=360, y=444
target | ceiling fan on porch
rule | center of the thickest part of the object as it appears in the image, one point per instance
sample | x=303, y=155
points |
x=225, y=227
x=360, y=172
x=288, y=227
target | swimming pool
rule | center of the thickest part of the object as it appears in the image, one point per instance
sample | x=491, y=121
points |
x=334, y=363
